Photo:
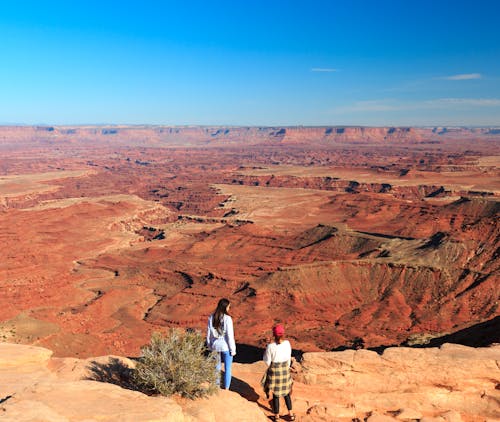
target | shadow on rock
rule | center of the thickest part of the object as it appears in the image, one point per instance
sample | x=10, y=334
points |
x=243, y=389
x=4, y=399
x=251, y=354
x=248, y=392
x=113, y=372
x=248, y=354
x=483, y=334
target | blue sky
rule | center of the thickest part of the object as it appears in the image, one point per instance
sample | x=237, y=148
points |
x=350, y=62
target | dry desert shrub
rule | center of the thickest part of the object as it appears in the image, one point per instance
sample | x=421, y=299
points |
x=421, y=339
x=177, y=363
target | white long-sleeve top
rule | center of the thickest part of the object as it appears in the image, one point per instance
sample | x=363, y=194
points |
x=281, y=352
x=221, y=342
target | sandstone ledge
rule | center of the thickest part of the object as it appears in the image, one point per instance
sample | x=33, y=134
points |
x=407, y=383
x=448, y=384
x=35, y=387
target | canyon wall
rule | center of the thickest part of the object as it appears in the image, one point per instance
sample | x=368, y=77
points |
x=348, y=236
x=241, y=136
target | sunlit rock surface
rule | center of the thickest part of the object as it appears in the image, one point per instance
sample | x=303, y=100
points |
x=451, y=383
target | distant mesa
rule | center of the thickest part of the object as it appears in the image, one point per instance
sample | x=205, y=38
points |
x=338, y=130
x=279, y=133
x=292, y=135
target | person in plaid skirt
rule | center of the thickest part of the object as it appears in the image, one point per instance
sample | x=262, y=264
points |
x=278, y=381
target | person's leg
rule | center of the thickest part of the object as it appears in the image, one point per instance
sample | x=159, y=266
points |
x=276, y=405
x=288, y=402
x=228, y=361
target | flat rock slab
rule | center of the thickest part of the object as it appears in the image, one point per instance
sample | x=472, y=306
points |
x=37, y=388
x=21, y=356
x=409, y=384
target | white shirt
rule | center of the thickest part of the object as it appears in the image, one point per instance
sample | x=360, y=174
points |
x=221, y=342
x=281, y=352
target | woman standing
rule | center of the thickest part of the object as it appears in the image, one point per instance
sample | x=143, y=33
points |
x=278, y=356
x=220, y=338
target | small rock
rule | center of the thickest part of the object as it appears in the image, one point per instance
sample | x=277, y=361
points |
x=377, y=417
x=408, y=414
x=452, y=416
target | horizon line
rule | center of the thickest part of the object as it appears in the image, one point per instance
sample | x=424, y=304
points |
x=137, y=125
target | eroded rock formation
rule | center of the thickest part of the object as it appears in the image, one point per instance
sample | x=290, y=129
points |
x=385, y=235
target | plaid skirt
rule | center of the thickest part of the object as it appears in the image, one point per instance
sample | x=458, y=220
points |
x=278, y=380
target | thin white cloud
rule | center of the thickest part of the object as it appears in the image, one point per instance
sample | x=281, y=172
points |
x=463, y=77
x=468, y=102
x=324, y=69
x=385, y=105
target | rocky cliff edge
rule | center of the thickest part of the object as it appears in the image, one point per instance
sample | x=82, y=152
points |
x=450, y=383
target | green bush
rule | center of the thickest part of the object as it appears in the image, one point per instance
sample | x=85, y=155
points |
x=177, y=362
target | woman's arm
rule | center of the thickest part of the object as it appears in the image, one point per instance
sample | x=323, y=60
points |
x=230, y=335
x=267, y=355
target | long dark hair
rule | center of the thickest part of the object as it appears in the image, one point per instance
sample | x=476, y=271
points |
x=218, y=315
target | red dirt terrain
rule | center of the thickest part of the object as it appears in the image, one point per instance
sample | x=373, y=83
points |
x=347, y=235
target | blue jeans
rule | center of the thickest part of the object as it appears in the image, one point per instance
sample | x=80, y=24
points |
x=228, y=360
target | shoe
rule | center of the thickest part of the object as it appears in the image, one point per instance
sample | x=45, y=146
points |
x=275, y=418
x=291, y=417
